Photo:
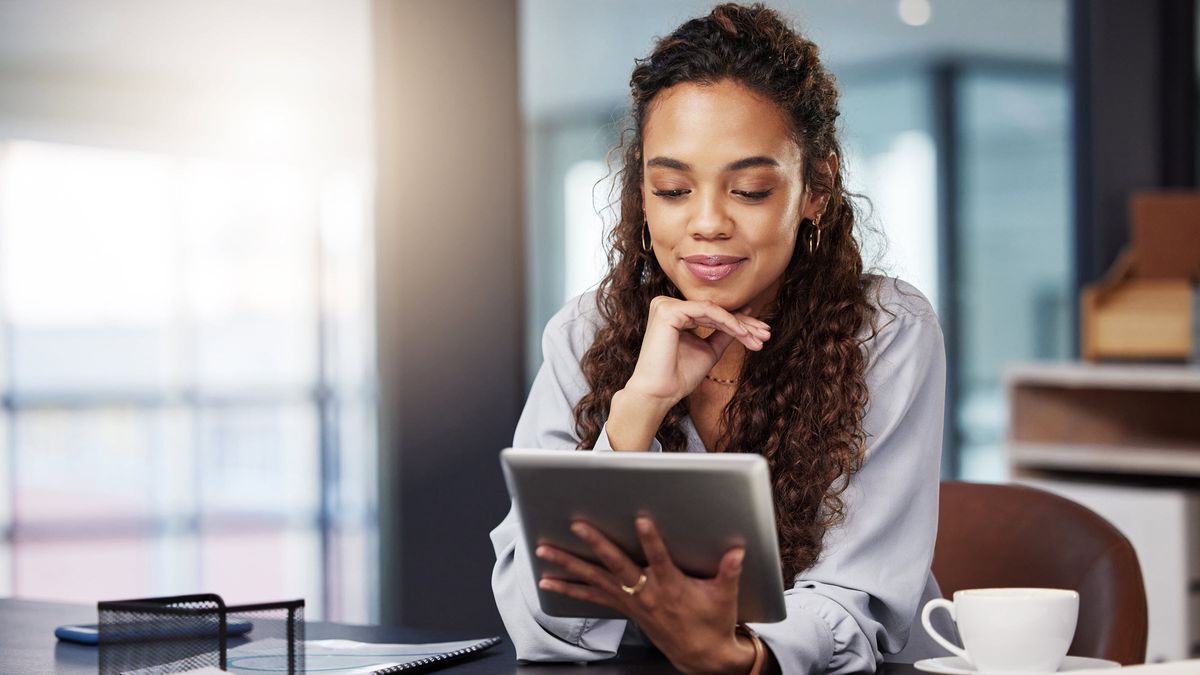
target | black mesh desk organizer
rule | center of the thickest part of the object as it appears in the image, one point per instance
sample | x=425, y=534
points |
x=184, y=632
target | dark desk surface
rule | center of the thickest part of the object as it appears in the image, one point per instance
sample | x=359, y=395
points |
x=28, y=645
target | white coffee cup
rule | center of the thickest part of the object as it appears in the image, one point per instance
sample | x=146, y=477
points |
x=1004, y=630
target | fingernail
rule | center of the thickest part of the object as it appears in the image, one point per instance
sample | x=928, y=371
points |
x=579, y=529
x=643, y=524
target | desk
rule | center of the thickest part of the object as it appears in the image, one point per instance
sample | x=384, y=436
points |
x=28, y=646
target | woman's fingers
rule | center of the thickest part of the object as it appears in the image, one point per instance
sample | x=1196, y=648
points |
x=579, y=592
x=754, y=325
x=758, y=328
x=752, y=336
x=619, y=564
x=744, y=315
x=578, y=568
x=729, y=573
x=656, y=550
x=720, y=339
x=685, y=315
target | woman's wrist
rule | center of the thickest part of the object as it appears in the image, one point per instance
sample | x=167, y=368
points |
x=652, y=403
x=746, y=658
x=736, y=656
x=634, y=419
x=756, y=644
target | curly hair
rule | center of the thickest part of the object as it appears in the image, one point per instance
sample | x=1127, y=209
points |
x=801, y=399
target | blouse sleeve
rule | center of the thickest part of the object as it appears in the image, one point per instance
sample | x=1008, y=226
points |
x=548, y=422
x=857, y=602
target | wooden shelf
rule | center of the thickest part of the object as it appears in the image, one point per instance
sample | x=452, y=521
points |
x=1135, y=376
x=1174, y=461
x=1124, y=440
x=1122, y=407
x=1116, y=419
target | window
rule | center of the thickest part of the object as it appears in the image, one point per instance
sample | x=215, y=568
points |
x=1013, y=293
x=187, y=378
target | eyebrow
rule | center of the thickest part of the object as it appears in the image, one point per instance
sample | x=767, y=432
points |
x=669, y=163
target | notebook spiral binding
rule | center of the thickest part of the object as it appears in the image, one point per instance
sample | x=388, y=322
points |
x=439, y=658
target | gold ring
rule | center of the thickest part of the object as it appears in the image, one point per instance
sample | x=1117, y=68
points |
x=633, y=590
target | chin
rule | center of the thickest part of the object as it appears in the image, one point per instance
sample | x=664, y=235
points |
x=726, y=298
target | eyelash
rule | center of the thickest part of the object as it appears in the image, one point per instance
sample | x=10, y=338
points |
x=675, y=194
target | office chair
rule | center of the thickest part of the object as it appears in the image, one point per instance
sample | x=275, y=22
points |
x=1014, y=535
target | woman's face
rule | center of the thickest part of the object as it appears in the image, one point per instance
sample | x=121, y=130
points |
x=723, y=192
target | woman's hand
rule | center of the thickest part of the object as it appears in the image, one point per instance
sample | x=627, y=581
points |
x=673, y=361
x=691, y=620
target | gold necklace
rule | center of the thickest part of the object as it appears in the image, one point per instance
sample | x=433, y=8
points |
x=719, y=380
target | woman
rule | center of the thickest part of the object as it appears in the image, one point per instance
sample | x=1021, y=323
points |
x=736, y=318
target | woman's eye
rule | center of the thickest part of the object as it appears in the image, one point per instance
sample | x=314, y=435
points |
x=670, y=194
x=753, y=196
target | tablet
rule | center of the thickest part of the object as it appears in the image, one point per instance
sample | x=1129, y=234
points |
x=89, y=634
x=703, y=503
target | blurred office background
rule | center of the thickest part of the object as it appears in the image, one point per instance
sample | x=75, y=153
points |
x=186, y=313
x=273, y=274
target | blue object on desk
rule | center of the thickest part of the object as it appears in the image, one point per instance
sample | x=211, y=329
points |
x=89, y=634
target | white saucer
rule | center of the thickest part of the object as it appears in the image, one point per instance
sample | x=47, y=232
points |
x=954, y=665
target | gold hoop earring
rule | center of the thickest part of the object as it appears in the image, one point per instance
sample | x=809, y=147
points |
x=647, y=245
x=814, y=235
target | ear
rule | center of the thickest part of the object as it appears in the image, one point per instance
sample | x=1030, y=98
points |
x=819, y=201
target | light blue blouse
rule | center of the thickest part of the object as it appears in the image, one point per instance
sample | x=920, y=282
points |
x=862, y=598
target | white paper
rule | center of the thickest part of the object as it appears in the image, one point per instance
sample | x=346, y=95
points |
x=328, y=657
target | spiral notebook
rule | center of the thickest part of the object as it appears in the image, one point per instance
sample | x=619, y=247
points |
x=347, y=657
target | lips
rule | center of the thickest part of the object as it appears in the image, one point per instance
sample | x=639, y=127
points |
x=713, y=267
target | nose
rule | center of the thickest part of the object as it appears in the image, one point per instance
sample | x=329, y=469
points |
x=710, y=219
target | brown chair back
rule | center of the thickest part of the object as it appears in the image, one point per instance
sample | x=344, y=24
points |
x=1014, y=535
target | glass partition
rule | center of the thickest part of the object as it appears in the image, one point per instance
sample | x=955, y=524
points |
x=1013, y=295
